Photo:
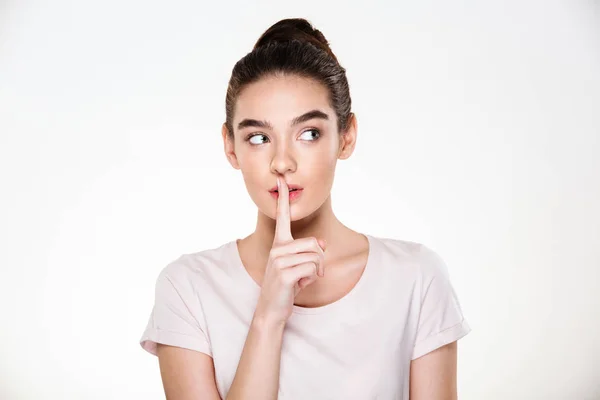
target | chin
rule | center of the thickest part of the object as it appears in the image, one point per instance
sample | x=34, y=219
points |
x=298, y=210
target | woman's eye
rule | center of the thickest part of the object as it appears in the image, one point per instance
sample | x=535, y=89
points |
x=252, y=139
x=259, y=138
x=311, y=134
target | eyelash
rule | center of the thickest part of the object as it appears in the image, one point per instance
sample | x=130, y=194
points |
x=250, y=136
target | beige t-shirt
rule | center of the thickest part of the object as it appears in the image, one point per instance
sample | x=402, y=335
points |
x=359, y=347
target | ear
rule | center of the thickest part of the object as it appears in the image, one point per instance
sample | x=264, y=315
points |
x=228, y=146
x=348, y=138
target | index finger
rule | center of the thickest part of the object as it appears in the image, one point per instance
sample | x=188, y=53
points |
x=283, y=229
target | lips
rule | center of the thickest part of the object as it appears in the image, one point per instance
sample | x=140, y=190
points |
x=294, y=194
x=291, y=190
x=291, y=187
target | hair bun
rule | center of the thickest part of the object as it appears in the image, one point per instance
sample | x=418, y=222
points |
x=298, y=29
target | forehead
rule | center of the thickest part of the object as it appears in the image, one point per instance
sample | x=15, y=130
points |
x=281, y=98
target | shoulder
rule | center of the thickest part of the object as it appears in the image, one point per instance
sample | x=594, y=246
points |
x=422, y=271
x=414, y=256
x=192, y=267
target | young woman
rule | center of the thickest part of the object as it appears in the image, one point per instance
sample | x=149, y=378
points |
x=304, y=307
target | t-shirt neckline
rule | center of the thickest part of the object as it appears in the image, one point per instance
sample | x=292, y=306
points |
x=245, y=276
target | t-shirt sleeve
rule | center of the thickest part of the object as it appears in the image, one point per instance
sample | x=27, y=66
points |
x=441, y=320
x=176, y=318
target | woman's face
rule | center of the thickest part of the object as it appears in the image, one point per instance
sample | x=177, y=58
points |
x=284, y=126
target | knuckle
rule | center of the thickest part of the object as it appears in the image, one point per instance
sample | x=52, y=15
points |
x=286, y=278
x=277, y=263
x=274, y=253
x=308, y=268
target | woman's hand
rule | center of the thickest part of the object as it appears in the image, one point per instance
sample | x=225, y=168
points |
x=292, y=265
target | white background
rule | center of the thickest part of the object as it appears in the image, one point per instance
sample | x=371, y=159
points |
x=479, y=135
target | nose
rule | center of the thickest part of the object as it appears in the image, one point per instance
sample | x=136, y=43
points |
x=283, y=160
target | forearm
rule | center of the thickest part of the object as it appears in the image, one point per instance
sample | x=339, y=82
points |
x=257, y=375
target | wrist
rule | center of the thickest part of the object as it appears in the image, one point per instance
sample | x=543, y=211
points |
x=266, y=324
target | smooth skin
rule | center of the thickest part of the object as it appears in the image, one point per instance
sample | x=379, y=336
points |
x=291, y=270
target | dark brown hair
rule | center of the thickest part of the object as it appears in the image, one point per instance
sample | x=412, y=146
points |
x=292, y=46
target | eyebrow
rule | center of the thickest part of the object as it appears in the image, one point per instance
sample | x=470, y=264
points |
x=314, y=114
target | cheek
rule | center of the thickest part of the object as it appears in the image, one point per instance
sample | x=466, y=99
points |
x=327, y=154
x=253, y=169
x=321, y=164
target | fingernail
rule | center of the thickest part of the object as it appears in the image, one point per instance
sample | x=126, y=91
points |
x=278, y=183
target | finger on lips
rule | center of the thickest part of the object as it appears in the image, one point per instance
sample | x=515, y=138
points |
x=283, y=230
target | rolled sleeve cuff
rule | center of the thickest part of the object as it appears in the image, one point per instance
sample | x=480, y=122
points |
x=153, y=336
x=443, y=338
